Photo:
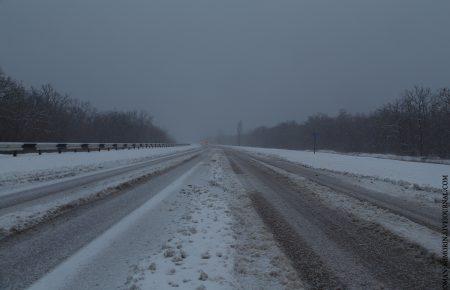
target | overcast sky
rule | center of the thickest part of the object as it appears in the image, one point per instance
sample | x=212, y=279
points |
x=199, y=66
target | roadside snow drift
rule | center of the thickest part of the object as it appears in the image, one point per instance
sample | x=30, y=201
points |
x=32, y=168
x=423, y=174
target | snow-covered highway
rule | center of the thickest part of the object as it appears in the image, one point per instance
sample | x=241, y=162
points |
x=217, y=218
x=35, y=201
x=340, y=235
x=35, y=252
x=17, y=197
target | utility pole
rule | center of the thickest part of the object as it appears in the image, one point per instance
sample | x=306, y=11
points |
x=315, y=141
x=239, y=132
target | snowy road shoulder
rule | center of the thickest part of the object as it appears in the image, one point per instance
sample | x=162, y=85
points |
x=25, y=215
x=396, y=171
x=31, y=169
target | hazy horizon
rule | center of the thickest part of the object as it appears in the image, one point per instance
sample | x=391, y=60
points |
x=201, y=66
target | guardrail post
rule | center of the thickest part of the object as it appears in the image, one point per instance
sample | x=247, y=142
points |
x=15, y=148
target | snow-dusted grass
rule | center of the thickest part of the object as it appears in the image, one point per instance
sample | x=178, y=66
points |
x=423, y=174
x=33, y=168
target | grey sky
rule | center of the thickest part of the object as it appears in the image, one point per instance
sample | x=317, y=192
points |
x=198, y=66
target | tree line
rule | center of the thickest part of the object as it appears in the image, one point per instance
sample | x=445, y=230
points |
x=45, y=115
x=416, y=124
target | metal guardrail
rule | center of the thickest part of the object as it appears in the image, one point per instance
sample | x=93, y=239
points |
x=15, y=148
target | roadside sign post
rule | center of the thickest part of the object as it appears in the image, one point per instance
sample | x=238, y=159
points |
x=315, y=141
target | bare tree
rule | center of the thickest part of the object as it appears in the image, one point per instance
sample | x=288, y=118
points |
x=47, y=116
x=239, y=132
x=417, y=123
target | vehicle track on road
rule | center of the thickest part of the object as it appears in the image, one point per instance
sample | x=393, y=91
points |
x=416, y=212
x=40, y=191
x=331, y=248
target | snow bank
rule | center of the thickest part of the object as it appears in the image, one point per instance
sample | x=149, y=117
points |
x=32, y=168
x=46, y=161
x=424, y=174
x=392, y=156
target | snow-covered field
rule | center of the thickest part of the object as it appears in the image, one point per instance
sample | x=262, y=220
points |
x=30, y=169
x=420, y=173
x=391, y=156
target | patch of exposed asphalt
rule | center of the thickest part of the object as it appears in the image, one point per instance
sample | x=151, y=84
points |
x=62, y=209
x=258, y=255
x=394, y=262
x=306, y=262
x=234, y=167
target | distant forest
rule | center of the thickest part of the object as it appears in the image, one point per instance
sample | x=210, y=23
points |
x=416, y=124
x=44, y=115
